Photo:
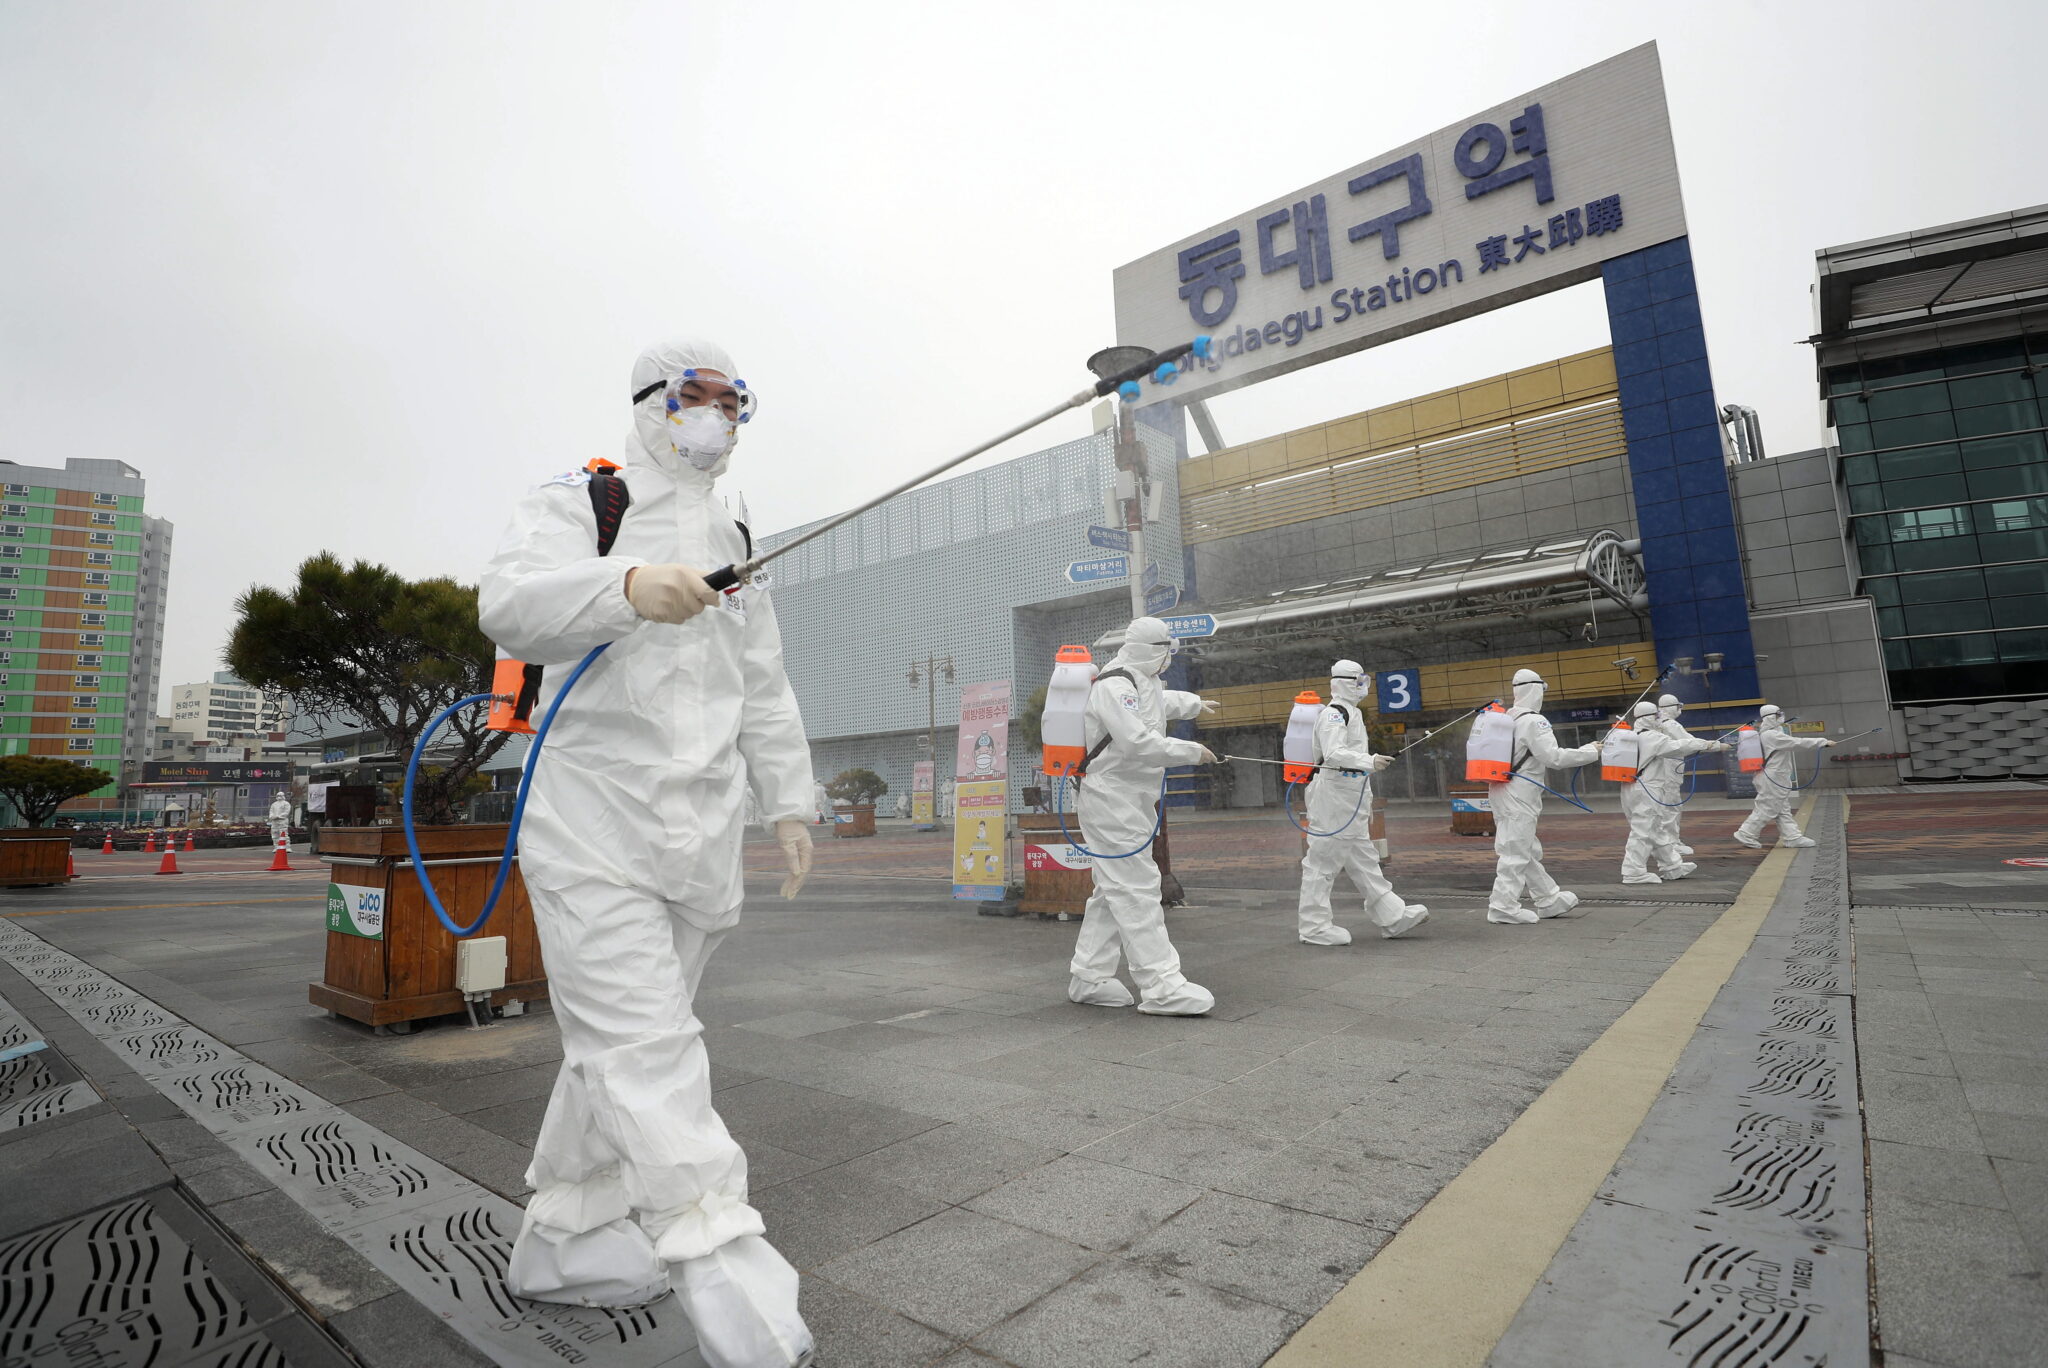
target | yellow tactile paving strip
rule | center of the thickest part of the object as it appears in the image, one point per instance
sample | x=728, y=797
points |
x=1443, y=1291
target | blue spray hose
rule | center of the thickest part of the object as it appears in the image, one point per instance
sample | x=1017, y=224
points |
x=412, y=769
x=1302, y=826
x=1059, y=793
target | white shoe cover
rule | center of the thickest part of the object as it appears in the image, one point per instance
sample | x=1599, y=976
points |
x=741, y=1297
x=1683, y=870
x=1108, y=993
x=1190, y=999
x=1743, y=838
x=1559, y=905
x=612, y=1266
x=1331, y=934
x=1800, y=842
x=1685, y=850
x=1520, y=916
x=1412, y=916
x=1644, y=878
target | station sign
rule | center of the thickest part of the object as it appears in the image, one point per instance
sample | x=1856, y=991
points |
x=1109, y=538
x=167, y=772
x=1160, y=598
x=1188, y=625
x=1527, y=197
x=1100, y=569
x=1398, y=691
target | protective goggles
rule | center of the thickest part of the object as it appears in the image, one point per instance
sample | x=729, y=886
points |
x=702, y=389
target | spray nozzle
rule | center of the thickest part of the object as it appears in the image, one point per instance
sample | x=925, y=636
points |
x=1166, y=374
x=1202, y=346
x=1128, y=390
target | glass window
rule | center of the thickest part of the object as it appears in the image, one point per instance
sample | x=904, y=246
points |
x=108, y=500
x=2007, y=354
x=2009, y=480
x=1945, y=459
x=1914, y=431
x=1859, y=469
x=2013, y=417
x=2023, y=646
x=1904, y=370
x=2001, y=580
x=1854, y=437
x=2012, y=515
x=2021, y=610
x=1942, y=588
x=1847, y=408
x=1919, y=493
x=1980, y=648
x=1866, y=498
x=1891, y=622
x=1905, y=403
x=1885, y=592
x=2012, y=546
x=1988, y=453
x=1876, y=559
x=79, y=743
x=1937, y=555
x=1927, y=524
x=1842, y=379
x=1972, y=615
x=2001, y=388
x=1898, y=655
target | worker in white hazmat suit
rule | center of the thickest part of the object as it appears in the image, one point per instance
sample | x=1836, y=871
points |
x=1340, y=802
x=1518, y=803
x=1777, y=786
x=280, y=818
x=631, y=857
x=1667, y=778
x=1129, y=752
x=1660, y=757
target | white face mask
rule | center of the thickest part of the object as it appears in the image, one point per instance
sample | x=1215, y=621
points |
x=703, y=435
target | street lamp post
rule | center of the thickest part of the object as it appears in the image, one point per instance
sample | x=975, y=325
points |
x=926, y=672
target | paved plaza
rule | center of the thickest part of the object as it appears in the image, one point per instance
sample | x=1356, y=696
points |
x=1692, y=1116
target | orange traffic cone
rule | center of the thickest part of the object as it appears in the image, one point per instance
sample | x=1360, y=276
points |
x=189, y=847
x=108, y=848
x=170, y=864
x=149, y=844
x=281, y=861
x=70, y=865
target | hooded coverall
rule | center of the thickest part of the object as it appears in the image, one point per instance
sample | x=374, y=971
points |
x=1124, y=919
x=1517, y=805
x=630, y=853
x=1667, y=780
x=1778, y=784
x=1342, y=787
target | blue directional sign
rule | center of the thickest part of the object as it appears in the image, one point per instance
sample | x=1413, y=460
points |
x=1160, y=598
x=1398, y=691
x=1099, y=569
x=1109, y=538
x=1191, y=625
x=1152, y=575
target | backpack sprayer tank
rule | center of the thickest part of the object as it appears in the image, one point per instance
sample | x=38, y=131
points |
x=1062, y=727
x=1490, y=747
x=1749, y=750
x=1299, y=749
x=1618, y=756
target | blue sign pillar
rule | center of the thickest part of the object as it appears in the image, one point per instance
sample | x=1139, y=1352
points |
x=1684, y=511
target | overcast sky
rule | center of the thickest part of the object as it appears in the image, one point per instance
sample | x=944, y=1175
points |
x=351, y=277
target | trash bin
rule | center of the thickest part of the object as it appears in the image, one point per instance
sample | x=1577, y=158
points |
x=32, y=857
x=390, y=962
x=1057, y=878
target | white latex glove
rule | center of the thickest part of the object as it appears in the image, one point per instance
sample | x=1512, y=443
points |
x=1829, y=743
x=1380, y=762
x=668, y=593
x=1208, y=757
x=1721, y=747
x=795, y=839
x=1210, y=705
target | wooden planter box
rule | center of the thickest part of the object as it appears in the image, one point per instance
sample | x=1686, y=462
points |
x=408, y=971
x=1471, y=811
x=1050, y=889
x=853, y=821
x=33, y=857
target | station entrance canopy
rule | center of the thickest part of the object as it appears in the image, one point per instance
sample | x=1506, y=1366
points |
x=1494, y=589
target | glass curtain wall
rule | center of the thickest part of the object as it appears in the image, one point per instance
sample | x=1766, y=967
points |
x=1945, y=455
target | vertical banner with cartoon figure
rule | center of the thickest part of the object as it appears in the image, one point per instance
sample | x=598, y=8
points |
x=921, y=793
x=981, y=775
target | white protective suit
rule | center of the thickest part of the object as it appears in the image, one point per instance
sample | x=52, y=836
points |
x=631, y=857
x=1518, y=804
x=1340, y=802
x=280, y=818
x=1659, y=762
x=1118, y=811
x=1777, y=786
x=1668, y=780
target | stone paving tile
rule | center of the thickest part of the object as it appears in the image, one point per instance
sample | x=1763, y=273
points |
x=1063, y=1123
x=1096, y=1205
x=959, y=1272
x=866, y=1038
x=2026, y=1196
x=1423, y=1115
x=1937, y=1175
x=1363, y=1189
x=490, y=1090
x=1918, y=1109
x=1184, y=1149
x=1280, y=1256
x=953, y=1163
x=1152, y=1318
x=796, y=1025
x=811, y=1122
x=853, y=1332
x=1272, y=1101
x=1976, y=1067
x=819, y=1216
x=1957, y=1284
x=2012, y=1099
x=1202, y=1061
